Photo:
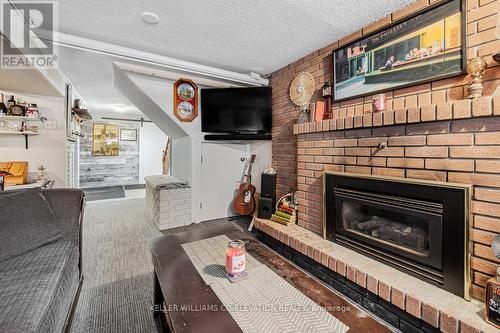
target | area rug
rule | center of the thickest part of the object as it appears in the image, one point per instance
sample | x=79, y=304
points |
x=104, y=193
x=264, y=302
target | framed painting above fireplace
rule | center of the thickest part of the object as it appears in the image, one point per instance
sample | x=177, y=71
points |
x=427, y=46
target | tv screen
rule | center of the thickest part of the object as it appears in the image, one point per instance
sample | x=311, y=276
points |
x=236, y=110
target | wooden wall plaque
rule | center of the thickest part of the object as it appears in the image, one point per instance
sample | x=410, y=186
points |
x=185, y=100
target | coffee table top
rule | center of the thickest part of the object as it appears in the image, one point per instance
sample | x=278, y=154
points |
x=182, y=286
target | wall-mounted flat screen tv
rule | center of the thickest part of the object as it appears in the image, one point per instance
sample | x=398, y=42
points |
x=236, y=110
x=425, y=47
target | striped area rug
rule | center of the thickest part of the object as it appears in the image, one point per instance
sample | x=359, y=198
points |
x=263, y=302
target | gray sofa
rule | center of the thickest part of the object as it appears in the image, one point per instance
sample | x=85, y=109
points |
x=40, y=259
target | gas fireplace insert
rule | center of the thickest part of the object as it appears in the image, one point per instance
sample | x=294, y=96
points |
x=419, y=227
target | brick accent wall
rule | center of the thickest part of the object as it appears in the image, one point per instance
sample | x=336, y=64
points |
x=431, y=133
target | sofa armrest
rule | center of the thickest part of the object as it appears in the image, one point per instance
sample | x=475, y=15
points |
x=68, y=206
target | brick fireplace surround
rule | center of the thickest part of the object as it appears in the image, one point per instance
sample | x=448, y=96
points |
x=432, y=132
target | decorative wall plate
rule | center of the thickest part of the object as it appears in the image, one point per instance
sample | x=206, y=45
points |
x=185, y=92
x=185, y=100
x=302, y=89
x=185, y=109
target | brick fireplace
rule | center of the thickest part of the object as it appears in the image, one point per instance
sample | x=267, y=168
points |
x=429, y=132
x=417, y=226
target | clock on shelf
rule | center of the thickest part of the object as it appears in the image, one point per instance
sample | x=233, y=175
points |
x=185, y=100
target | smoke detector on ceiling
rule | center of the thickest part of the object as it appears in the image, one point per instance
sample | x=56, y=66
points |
x=120, y=107
x=150, y=18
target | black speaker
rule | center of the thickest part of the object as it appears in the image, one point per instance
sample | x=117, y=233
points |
x=266, y=208
x=268, y=185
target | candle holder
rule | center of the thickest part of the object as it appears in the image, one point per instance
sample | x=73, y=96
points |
x=475, y=68
x=236, y=260
x=379, y=103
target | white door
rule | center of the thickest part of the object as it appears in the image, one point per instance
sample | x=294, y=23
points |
x=222, y=170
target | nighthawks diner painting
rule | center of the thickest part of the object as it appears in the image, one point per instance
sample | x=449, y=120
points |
x=423, y=48
x=105, y=140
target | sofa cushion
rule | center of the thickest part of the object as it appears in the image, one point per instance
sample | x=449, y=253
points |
x=26, y=223
x=38, y=287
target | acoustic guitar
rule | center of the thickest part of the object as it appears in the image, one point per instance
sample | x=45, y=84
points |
x=244, y=202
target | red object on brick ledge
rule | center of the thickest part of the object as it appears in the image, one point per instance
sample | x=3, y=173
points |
x=461, y=109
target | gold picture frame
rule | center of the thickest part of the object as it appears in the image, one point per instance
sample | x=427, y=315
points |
x=105, y=140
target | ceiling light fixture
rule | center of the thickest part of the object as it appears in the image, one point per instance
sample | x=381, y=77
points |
x=120, y=107
x=150, y=18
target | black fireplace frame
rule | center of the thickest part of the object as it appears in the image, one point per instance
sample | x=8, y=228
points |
x=454, y=276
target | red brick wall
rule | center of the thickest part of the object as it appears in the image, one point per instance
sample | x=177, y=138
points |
x=453, y=145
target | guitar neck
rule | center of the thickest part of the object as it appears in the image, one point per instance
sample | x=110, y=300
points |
x=248, y=180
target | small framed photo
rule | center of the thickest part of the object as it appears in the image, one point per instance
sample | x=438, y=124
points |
x=128, y=134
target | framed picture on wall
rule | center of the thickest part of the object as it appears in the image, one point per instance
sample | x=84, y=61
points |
x=424, y=47
x=128, y=134
x=105, y=140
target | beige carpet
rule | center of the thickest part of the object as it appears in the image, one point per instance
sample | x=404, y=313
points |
x=118, y=275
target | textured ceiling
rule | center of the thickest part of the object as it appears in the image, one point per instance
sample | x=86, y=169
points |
x=241, y=35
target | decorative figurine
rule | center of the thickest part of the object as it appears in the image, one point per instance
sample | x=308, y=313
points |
x=304, y=116
x=476, y=68
x=40, y=174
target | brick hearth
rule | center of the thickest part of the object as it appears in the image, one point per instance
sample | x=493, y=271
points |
x=431, y=130
x=423, y=301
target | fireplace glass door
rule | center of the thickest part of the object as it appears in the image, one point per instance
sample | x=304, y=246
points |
x=407, y=228
x=416, y=226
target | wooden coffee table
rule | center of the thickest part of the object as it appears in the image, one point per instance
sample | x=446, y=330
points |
x=178, y=285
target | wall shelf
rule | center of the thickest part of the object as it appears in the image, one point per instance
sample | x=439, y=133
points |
x=25, y=133
x=18, y=133
x=18, y=118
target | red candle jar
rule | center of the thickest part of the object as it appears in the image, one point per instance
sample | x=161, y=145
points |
x=379, y=103
x=235, y=258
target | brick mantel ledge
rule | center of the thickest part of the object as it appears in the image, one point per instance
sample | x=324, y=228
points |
x=422, y=300
x=460, y=109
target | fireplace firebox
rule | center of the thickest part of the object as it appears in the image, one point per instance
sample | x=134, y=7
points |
x=419, y=227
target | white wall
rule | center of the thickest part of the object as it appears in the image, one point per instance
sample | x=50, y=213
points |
x=263, y=150
x=48, y=148
x=181, y=159
x=186, y=151
x=152, y=144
